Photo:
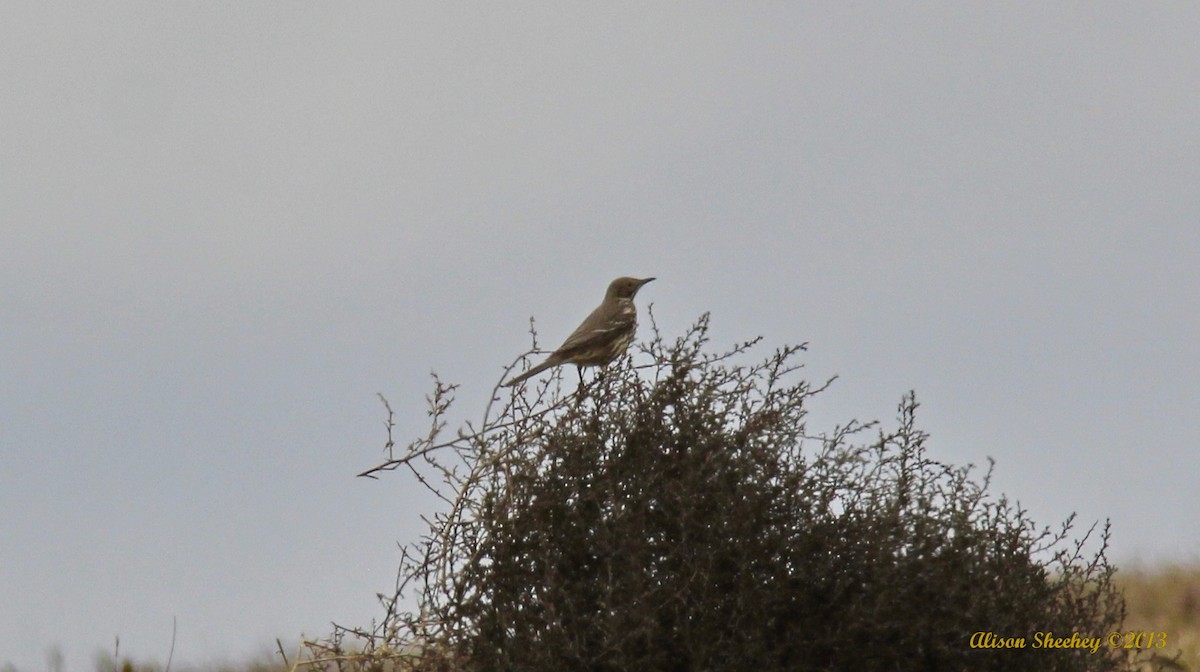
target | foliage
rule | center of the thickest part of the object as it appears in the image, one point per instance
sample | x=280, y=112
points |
x=679, y=516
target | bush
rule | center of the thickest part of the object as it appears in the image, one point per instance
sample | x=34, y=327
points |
x=679, y=516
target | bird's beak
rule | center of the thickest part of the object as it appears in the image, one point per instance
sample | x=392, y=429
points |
x=644, y=281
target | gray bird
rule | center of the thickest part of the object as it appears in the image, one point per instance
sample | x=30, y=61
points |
x=603, y=336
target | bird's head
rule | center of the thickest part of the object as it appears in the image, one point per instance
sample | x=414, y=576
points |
x=625, y=288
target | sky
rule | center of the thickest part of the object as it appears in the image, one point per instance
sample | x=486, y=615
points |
x=225, y=227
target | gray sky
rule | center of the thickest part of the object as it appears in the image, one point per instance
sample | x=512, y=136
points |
x=225, y=226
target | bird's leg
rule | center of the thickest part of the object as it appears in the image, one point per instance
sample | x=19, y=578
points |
x=581, y=391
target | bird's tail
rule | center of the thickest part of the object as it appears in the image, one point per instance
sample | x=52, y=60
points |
x=530, y=373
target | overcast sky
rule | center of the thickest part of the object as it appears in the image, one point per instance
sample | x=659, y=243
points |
x=225, y=226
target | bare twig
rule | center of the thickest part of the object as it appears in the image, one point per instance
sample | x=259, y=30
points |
x=171, y=655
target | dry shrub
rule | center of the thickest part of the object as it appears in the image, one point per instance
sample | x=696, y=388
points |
x=679, y=516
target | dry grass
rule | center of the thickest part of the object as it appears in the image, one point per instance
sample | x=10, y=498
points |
x=1165, y=599
x=1159, y=599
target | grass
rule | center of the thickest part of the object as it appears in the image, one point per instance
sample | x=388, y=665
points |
x=1158, y=599
x=1165, y=599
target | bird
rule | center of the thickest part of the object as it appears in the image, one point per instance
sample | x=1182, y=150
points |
x=602, y=336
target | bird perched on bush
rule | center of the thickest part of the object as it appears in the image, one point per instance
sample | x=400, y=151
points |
x=603, y=336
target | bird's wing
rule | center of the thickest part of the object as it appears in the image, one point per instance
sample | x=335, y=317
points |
x=600, y=326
